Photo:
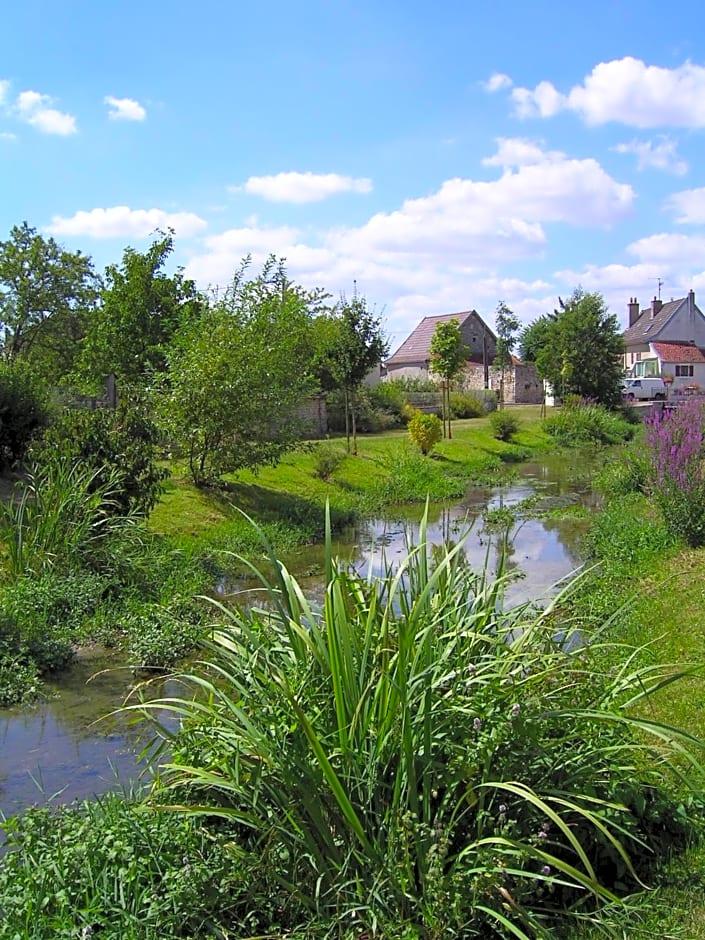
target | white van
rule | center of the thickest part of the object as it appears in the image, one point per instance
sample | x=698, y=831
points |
x=643, y=389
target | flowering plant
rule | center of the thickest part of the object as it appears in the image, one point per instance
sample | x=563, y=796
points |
x=677, y=477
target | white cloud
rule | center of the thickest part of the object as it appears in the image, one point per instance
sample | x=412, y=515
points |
x=517, y=151
x=123, y=222
x=668, y=248
x=124, y=109
x=34, y=108
x=690, y=203
x=661, y=155
x=625, y=90
x=4, y=89
x=7, y=135
x=497, y=81
x=302, y=187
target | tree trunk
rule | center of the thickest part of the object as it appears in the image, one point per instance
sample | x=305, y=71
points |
x=354, y=423
x=450, y=434
x=346, y=404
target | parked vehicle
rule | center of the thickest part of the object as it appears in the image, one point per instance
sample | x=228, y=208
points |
x=644, y=389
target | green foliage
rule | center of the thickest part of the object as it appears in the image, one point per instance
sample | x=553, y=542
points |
x=349, y=343
x=326, y=460
x=61, y=515
x=467, y=405
x=627, y=534
x=413, y=478
x=159, y=636
x=504, y=425
x=627, y=473
x=238, y=376
x=579, y=349
x=141, y=311
x=115, y=869
x=46, y=294
x=507, y=326
x=19, y=680
x=425, y=431
x=448, y=354
x=24, y=411
x=535, y=336
x=370, y=417
x=587, y=424
x=410, y=753
x=119, y=444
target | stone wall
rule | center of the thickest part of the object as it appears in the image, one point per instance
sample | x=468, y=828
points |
x=521, y=383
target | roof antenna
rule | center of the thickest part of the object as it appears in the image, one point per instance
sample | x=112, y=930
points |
x=659, y=281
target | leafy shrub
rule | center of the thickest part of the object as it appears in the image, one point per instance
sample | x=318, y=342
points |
x=412, y=753
x=587, y=424
x=116, y=869
x=629, y=473
x=369, y=418
x=19, y=681
x=504, y=425
x=677, y=480
x=160, y=637
x=326, y=460
x=119, y=444
x=628, y=534
x=425, y=431
x=412, y=478
x=24, y=411
x=466, y=405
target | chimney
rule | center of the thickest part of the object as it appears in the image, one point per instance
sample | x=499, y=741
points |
x=633, y=310
x=656, y=305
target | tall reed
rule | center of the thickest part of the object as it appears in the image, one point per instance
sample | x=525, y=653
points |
x=410, y=752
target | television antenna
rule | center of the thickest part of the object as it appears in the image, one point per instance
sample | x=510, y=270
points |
x=660, y=282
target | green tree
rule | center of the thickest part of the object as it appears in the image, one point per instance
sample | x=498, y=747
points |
x=448, y=357
x=142, y=309
x=350, y=342
x=535, y=336
x=582, y=350
x=46, y=294
x=238, y=376
x=507, y=326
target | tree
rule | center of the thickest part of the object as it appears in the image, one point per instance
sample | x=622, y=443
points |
x=350, y=342
x=238, y=375
x=507, y=325
x=448, y=356
x=535, y=336
x=581, y=353
x=142, y=309
x=46, y=294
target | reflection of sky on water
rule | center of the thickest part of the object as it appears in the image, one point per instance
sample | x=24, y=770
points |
x=56, y=744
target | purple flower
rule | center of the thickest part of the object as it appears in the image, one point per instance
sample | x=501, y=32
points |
x=516, y=708
x=546, y=870
x=477, y=724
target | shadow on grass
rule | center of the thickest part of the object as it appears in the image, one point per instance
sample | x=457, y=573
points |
x=267, y=505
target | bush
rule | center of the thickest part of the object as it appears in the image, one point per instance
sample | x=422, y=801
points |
x=628, y=534
x=412, y=478
x=119, y=444
x=326, y=460
x=466, y=405
x=425, y=431
x=412, y=754
x=115, y=869
x=504, y=425
x=159, y=637
x=587, y=424
x=24, y=412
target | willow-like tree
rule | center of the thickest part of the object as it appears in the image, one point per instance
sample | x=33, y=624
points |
x=448, y=356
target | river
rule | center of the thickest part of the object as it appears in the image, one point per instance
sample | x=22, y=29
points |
x=63, y=748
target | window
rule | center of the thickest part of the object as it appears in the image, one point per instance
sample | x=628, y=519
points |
x=686, y=371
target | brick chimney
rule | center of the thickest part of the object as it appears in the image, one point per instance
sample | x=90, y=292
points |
x=633, y=310
x=656, y=305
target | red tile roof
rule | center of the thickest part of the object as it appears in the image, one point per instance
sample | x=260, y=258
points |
x=678, y=352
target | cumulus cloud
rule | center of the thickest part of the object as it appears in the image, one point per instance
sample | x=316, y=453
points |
x=518, y=151
x=302, y=187
x=659, y=155
x=497, y=81
x=35, y=109
x=689, y=206
x=123, y=222
x=625, y=90
x=668, y=248
x=124, y=109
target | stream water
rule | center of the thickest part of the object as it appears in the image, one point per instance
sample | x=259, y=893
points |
x=64, y=748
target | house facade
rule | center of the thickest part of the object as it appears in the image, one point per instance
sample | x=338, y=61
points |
x=412, y=359
x=667, y=340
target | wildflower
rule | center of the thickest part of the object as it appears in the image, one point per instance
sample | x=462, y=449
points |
x=546, y=870
x=516, y=708
x=477, y=724
x=503, y=809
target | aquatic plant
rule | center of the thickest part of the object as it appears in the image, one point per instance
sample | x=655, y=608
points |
x=412, y=753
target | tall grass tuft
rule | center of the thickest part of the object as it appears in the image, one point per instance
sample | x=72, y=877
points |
x=411, y=753
x=62, y=512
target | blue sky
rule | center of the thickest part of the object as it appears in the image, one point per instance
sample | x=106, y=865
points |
x=441, y=156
